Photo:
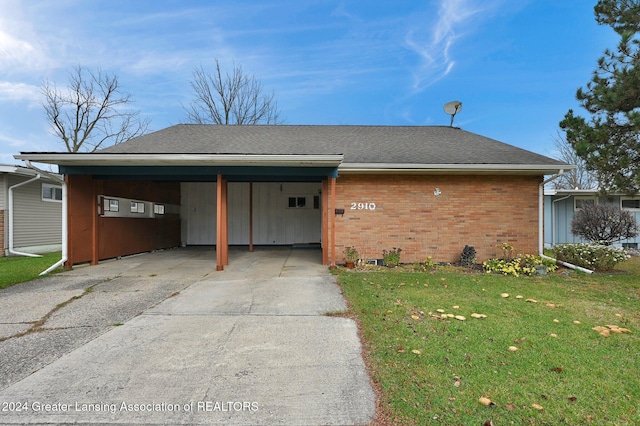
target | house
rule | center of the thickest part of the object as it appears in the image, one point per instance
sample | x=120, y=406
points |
x=32, y=203
x=561, y=204
x=429, y=190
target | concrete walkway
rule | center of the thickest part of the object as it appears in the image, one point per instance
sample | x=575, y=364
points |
x=164, y=339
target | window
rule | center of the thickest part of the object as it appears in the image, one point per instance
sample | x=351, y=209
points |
x=580, y=202
x=137, y=207
x=51, y=192
x=111, y=205
x=630, y=203
x=297, y=202
x=630, y=245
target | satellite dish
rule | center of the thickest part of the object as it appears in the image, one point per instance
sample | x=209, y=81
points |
x=452, y=108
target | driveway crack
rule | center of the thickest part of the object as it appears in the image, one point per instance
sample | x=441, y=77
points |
x=37, y=326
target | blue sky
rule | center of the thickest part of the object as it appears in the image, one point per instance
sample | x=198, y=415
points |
x=515, y=66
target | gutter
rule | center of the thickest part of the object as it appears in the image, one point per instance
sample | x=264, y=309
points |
x=281, y=160
x=11, y=213
x=446, y=168
x=65, y=243
x=541, y=210
x=541, y=227
x=154, y=159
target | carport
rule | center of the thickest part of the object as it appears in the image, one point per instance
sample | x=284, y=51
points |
x=121, y=204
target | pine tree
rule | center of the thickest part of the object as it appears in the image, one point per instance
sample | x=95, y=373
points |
x=609, y=141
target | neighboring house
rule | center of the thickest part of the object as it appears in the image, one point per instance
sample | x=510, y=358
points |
x=37, y=211
x=429, y=190
x=561, y=204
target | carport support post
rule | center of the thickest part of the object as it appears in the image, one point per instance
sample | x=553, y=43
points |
x=222, y=240
x=332, y=217
x=95, y=216
x=325, y=222
x=251, y=216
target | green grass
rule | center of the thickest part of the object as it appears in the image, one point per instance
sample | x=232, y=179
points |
x=14, y=270
x=578, y=377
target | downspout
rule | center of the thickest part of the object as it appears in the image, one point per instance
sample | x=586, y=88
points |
x=65, y=243
x=332, y=216
x=541, y=226
x=541, y=211
x=11, y=209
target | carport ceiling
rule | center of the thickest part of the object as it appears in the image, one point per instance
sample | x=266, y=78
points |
x=208, y=174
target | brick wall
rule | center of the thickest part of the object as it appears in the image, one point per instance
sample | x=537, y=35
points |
x=2, y=233
x=481, y=211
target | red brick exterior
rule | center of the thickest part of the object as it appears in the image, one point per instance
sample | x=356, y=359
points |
x=2, y=233
x=481, y=211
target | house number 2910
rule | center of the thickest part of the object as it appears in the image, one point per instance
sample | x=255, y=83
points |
x=363, y=206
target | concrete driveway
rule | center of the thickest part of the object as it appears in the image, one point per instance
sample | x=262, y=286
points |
x=162, y=338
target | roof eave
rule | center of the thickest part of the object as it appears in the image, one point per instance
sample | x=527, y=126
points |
x=20, y=170
x=16, y=170
x=530, y=169
x=68, y=159
x=284, y=160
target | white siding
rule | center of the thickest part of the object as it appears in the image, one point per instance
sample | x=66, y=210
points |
x=198, y=213
x=36, y=222
x=273, y=221
x=238, y=203
x=268, y=214
x=3, y=190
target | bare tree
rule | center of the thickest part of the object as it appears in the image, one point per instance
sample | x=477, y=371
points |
x=604, y=224
x=235, y=98
x=91, y=112
x=580, y=177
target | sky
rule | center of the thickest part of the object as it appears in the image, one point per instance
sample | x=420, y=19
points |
x=515, y=66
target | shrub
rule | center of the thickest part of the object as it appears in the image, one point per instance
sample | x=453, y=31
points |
x=392, y=257
x=522, y=264
x=428, y=266
x=351, y=254
x=468, y=256
x=598, y=257
x=604, y=224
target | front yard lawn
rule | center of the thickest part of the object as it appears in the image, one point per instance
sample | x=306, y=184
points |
x=431, y=370
x=14, y=270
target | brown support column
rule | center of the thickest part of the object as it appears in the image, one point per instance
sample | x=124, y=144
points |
x=221, y=224
x=332, y=215
x=250, y=216
x=325, y=222
x=95, y=231
x=225, y=223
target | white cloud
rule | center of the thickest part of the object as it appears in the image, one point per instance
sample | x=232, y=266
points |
x=155, y=63
x=19, y=92
x=21, y=48
x=434, y=47
x=14, y=50
x=12, y=142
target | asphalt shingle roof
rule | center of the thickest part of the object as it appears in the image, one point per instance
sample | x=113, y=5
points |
x=359, y=144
